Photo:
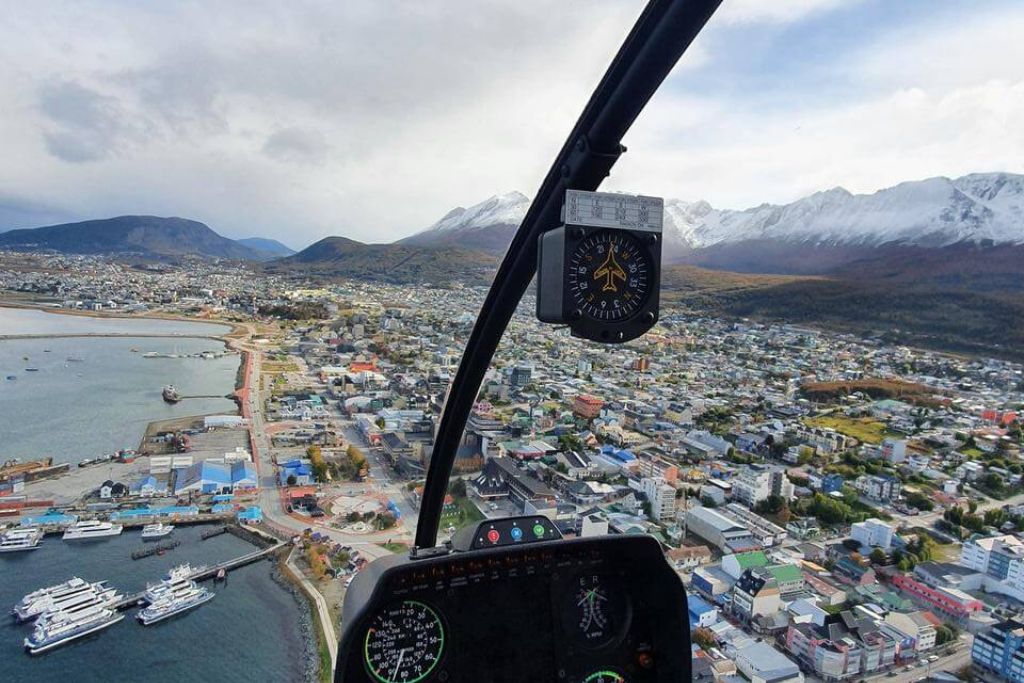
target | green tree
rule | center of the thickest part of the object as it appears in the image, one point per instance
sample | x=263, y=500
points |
x=877, y=556
x=945, y=633
x=386, y=520
x=457, y=487
x=770, y=505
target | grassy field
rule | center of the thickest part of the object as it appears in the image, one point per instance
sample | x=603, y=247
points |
x=863, y=429
x=394, y=547
x=465, y=513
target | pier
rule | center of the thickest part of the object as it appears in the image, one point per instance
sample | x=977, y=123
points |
x=210, y=572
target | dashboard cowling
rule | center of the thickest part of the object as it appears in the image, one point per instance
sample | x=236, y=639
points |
x=587, y=610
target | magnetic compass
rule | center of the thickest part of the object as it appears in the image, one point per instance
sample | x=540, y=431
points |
x=600, y=272
x=609, y=276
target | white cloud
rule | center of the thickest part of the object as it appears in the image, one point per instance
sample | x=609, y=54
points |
x=373, y=118
x=740, y=159
x=368, y=118
x=935, y=99
x=773, y=11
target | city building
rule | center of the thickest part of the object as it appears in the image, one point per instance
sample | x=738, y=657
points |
x=520, y=376
x=702, y=615
x=762, y=663
x=879, y=487
x=913, y=630
x=756, y=594
x=992, y=555
x=215, y=477
x=1000, y=650
x=734, y=565
x=950, y=603
x=894, y=450
x=767, y=533
x=756, y=482
x=688, y=557
x=720, y=531
x=587, y=407
x=872, y=533
x=661, y=497
x=842, y=647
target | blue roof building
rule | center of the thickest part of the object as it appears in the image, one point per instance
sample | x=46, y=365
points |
x=702, y=614
x=216, y=477
x=299, y=469
x=253, y=513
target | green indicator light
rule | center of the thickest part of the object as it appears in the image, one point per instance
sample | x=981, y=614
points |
x=538, y=530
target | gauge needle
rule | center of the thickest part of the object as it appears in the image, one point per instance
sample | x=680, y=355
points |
x=398, y=665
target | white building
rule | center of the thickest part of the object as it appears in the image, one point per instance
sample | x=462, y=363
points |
x=762, y=663
x=756, y=482
x=719, y=530
x=661, y=496
x=872, y=533
x=910, y=626
x=894, y=450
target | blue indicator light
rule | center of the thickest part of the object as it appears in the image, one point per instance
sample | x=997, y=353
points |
x=517, y=533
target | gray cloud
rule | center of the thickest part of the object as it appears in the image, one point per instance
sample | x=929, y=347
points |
x=296, y=145
x=83, y=124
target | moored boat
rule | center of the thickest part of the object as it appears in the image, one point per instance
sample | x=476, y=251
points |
x=15, y=540
x=152, y=532
x=36, y=602
x=174, y=602
x=57, y=628
x=91, y=528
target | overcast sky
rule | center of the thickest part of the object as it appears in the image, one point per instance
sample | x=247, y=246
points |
x=373, y=118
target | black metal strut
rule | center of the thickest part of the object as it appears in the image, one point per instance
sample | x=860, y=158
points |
x=658, y=39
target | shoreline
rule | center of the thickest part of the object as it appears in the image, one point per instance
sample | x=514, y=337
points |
x=236, y=328
x=317, y=668
x=227, y=339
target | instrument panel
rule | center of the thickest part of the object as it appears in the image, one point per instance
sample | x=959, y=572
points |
x=595, y=610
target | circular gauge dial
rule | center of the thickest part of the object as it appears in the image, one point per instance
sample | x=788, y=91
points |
x=598, y=614
x=604, y=677
x=609, y=276
x=404, y=643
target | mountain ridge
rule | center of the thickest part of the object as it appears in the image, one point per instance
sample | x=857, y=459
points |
x=835, y=225
x=271, y=247
x=145, y=235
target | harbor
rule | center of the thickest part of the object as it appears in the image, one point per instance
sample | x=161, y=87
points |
x=249, y=608
x=108, y=428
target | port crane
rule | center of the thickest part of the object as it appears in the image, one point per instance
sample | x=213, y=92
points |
x=510, y=600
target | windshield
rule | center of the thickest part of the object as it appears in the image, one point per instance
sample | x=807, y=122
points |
x=242, y=251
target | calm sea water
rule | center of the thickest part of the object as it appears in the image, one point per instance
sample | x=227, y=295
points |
x=77, y=410
x=248, y=632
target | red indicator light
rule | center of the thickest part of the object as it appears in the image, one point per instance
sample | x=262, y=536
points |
x=493, y=535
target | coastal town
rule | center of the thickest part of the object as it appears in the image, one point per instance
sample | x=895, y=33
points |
x=838, y=507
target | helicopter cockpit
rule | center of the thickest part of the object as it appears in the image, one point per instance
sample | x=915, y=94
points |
x=510, y=599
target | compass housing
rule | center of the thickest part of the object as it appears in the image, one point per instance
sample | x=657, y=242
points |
x=603, y=282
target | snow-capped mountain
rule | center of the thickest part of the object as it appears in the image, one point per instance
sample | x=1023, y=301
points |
x=978, y=208
x=487, y=225
x=929, y=213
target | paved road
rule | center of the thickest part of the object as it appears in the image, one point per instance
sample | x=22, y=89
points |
x=269, y=496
